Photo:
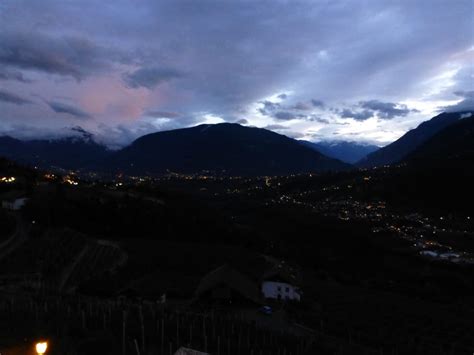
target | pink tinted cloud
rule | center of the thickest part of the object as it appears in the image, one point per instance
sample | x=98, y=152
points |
x=105, y=98
x=109, y=101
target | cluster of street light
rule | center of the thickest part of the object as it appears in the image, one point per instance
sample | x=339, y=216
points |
x=8, y=179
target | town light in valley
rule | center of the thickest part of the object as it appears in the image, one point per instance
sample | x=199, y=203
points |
x=41, y=347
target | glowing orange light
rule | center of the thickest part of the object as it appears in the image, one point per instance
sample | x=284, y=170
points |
x=41, y=347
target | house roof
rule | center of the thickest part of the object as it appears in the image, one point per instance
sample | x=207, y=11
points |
x=281, y=275
x=233, y=279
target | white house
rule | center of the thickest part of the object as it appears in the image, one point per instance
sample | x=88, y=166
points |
x=280, y=291
x=279, y=285
x=13, y=200
x=14, y=205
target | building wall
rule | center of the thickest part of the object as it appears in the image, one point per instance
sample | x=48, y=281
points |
x=14, y=205
x=19, y=203
x=280, y=290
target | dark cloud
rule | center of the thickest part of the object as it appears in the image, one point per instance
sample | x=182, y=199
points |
x=466, y=104
x=66, y=56
x=317, y=103
x=282, y=96
x=242, y=121
x=298, y=111
x=301, y=106
x=12, y=98
x=150, y=77
x=284, y=115
x=465, y=94
x=162, y=114
x=386, y=110
x=14, y=75
x=374, y=108
x=268, y=107
x=283, y=112
x=314, y=118
x=61, y=107
x=356, y=115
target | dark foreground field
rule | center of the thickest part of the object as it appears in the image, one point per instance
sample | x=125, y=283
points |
x=114, y=267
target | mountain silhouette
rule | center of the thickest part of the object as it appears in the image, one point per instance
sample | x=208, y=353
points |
x=226, y=148
x=398, y=150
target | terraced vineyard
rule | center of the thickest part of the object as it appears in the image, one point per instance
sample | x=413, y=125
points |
x=78, y=325
x=48, y=255
x=96, y=259
x=62, y=258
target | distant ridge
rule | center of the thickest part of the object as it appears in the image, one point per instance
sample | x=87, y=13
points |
x=455, y=142
x=226, y=148
x=68, y=153
x=439, y=173
x=348, y=152
x=405, y=145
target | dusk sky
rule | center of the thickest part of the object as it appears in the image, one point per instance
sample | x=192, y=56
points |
x=318, y=70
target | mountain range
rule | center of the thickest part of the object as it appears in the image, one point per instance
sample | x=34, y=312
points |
x=438, y=174
x=454, y=143
x=232, y=149
x=410, y=141
x=348, y=152
x=226, y=148
x=67, y=153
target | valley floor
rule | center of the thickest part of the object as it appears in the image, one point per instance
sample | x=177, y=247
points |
x=108, y=267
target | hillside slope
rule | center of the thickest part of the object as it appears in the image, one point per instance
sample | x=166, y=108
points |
x=402, y=147
x=225, y=148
